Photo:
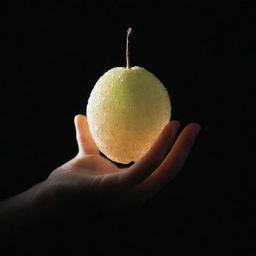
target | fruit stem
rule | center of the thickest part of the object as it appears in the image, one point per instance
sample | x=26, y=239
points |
x=128, y=63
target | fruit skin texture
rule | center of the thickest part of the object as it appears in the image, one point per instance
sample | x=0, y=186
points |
x=126, y=111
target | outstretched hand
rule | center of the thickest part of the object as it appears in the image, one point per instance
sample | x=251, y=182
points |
x=92, y=175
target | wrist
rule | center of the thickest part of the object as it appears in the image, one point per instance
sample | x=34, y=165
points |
x=27, y=205
x=26, y=214
x=38, y=198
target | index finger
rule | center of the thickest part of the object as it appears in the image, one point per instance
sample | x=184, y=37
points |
x=146, y=165
x=171, y=165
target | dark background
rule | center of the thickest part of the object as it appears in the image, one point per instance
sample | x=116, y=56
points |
x=51, y=59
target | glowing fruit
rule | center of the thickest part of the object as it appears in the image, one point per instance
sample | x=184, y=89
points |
x=126, y=111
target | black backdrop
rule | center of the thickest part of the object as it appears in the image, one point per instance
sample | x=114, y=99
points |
x=51, y=60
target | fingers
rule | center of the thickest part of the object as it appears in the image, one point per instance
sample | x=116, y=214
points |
x=171, y=165
x=86, y=144
x=144, y=167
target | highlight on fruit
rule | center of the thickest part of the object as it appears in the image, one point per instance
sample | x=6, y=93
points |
x=127, y=110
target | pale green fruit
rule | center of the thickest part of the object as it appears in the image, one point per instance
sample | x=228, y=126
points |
x=127, y=110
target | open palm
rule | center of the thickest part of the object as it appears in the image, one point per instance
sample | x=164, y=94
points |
x=98, y=178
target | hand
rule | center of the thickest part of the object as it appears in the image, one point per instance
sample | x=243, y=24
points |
x=97, y=178
x=89, y=177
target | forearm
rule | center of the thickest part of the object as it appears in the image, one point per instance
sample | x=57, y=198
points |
x=23, y=212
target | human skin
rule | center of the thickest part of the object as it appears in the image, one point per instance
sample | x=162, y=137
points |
x=90, y=177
